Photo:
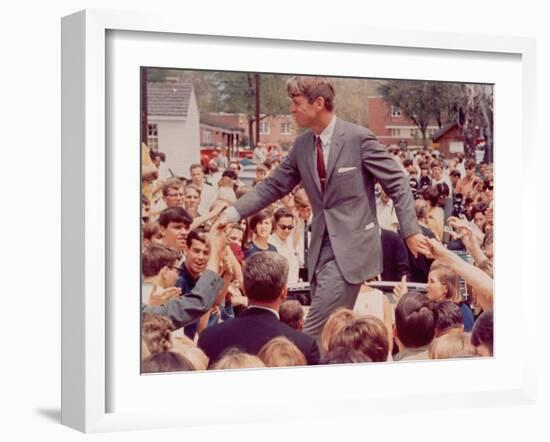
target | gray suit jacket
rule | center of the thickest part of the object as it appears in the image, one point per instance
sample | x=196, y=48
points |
x=190, y=306
x=347, y=208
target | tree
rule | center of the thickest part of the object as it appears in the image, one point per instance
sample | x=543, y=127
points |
x=420, y=101
x=475, y=117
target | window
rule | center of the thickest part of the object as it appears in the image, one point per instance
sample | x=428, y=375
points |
x=395, y=132
x=285, y=128
x=152, y=137
x=207, y=137
x=264, y=127
x=414, y=133
x=395, y=111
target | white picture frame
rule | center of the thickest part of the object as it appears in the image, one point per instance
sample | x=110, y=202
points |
x=87, y=210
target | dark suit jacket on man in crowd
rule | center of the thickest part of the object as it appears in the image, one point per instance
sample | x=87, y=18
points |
x=250, y=331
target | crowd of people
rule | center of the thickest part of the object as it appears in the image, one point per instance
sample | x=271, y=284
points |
x=215, y=295
x=219, y=299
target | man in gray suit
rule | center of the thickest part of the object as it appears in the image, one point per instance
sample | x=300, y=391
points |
x=337, y=163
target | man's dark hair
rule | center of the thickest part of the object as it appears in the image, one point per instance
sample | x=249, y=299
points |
x=291, y=313
x=443, y=189
x=449, y=316
x=257, y=218
x=283, y=212
x=482, y=333
x=469, y=164
x=311, y=88
x=198, y=234
x=436, y=163
x=154, y=154
x=431, y=194
x=407, y=162
x=164, y=362
x=479, y=208
x=342, y=355
x=230, y=174
x=367, y=334
x=415, y=319
x=237, y=163
x=155, y=257
x=265, y=275
x=455, y=173
x=196, y=166
x=175, y=215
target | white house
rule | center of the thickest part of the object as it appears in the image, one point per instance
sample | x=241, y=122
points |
x=173, y=124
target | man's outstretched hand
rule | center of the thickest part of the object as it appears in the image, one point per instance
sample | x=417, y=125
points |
x=221, y=222
x=417, y=243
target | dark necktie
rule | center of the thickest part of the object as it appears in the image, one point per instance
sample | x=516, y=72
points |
x=321, y=170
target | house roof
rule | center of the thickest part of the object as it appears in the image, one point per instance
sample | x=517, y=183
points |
x=168, y=99
x=446, y=128
x=209, y=121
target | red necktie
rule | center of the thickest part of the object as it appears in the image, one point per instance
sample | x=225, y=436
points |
x=321, y=170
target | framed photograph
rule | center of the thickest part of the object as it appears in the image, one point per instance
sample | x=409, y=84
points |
x=104, y=55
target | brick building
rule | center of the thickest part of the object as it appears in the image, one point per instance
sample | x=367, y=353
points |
x=390, y=125
x=231, y=130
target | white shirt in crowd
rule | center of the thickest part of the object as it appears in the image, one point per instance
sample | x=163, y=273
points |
x=208, y=196
x=385, y=212
x=286, y=249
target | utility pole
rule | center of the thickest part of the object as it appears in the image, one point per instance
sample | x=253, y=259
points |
x=257, y=81
x=143, y=80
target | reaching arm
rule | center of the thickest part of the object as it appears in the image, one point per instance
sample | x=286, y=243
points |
x=477, y=278
x=186, y=309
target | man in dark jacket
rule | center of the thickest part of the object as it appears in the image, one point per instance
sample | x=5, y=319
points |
x=265, y=277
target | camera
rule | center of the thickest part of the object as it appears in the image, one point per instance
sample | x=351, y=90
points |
x=458, y=205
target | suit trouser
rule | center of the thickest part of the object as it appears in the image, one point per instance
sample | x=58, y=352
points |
x=329, y=290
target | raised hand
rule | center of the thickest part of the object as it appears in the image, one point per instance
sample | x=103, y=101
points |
x=437, y=250
x=160, y=296
x=417, y=244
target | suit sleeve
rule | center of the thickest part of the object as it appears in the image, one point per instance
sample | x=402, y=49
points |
x=401, y=258
x=185, y=309
x=283, y=179
x=383, y=167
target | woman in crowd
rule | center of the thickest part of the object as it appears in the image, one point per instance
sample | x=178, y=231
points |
x=336, y=322
x=260, y=225
x=192, y=199
x=443, y=285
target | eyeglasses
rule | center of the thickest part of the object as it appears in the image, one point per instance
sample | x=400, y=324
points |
x=282, y=226
x=177, y=269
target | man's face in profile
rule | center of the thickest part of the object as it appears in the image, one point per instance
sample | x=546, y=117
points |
x=305, y=113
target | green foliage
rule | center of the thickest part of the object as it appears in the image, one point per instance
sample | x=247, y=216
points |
x=428, y=102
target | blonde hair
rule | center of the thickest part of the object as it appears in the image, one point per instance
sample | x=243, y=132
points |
x=449, y=279
x=336, y=322
x=451, y=345
x=281, y=352
x=156, y=333
x=233, y=359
